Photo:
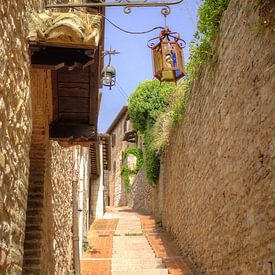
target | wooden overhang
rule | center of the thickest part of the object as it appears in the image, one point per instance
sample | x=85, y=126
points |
x=70, y=45
x=104, y=139
x=106, y=147
x=117, y=119
x=130, y=136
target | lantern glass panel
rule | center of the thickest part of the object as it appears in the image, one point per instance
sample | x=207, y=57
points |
x=157, y=61
x=169, y=54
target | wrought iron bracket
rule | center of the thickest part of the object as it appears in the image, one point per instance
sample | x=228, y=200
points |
x=127, y=4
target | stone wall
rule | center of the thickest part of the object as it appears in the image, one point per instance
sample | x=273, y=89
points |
x=144, y=196
x=61, y=180
x=15, y=131
x=219, y=167
x=116, y=183
x=16, y=120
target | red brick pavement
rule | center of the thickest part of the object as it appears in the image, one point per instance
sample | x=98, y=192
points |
x=165, y=248
x=97, y=259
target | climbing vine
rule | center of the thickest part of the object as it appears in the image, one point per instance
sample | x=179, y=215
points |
x=210, y=14
x=149, y=101
x=155, y=108
x=126, y=171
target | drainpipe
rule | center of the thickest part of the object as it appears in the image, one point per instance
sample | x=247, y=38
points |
x=75, y=217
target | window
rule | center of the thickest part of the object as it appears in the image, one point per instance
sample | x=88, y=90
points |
x=114, y=166
x=125, y=125
x=113, y=140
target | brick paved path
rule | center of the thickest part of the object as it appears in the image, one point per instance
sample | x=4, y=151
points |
x=132, y=254
x=129, y=243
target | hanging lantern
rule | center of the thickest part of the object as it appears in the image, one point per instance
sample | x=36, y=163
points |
x=108, y=73
x=167, y=56
x=109, y=76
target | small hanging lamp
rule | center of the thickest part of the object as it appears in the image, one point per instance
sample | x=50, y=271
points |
x=108, y=73
x=167, y=56
x=109, y=76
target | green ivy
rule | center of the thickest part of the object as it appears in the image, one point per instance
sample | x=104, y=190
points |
x=155, y=107
x=152, y=157
x=126, y=171
x=147, y=102
x=209, y=13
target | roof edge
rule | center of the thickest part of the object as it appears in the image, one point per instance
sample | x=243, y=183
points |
x=121, y=113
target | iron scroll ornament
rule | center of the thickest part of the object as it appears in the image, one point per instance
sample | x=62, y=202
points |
x=166, y=34
x=127, y=4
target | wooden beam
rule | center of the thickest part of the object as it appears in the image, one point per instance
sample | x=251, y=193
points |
x=52, y=67
x=55, y=95
x=94, y=92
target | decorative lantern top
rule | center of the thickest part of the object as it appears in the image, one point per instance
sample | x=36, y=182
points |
x=167, y=56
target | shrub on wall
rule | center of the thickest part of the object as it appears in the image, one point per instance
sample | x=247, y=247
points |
x=146, y=104
x=210, y=14
x=126, y=171
x=155, y=108
x=148, y=101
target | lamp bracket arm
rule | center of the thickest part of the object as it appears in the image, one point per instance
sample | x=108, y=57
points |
x=128, y=4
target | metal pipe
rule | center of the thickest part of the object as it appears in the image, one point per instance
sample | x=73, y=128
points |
x=116, y=4
x=75, y=216
x=75, y=230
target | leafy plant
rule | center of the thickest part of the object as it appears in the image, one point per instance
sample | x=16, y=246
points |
x=148, y=101
x=155, y=108
x=210, y=13
x=133, y=234
x=152, y=157
x=146, y=104
x=126, y=171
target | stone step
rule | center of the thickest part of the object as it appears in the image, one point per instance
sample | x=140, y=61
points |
x=141, y=272
x=32, y=253
x=36, y=188
x=33, y=235
x=32, y=244
x=33, y=220
x=35, y=196
x=116, y=261
x=34, y=212
x=31, y=270
x=35, y=203
x=31, y=262
x=131, y=266
x=36, y=227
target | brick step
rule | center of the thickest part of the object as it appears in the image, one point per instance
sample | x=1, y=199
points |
x=31, y=262
x=32, y=244
x=35, y=196
x=35, y=203
x=33, y=235
x=36, y=189
x=32, y=270
x=37, y=174
x=32, y=253
x=131, y=266
x=37, y=227
x=33, y=220
x=141, y=272
x=145, y=261
x=31, y=212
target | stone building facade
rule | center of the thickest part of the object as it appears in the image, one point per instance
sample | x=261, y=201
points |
x=218, y=170
x=122, y=136
x=37, y=217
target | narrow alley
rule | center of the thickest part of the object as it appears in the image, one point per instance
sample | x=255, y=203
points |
x=126, y=242
x=137, y=137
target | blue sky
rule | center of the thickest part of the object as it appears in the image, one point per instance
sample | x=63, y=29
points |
x=134, y=63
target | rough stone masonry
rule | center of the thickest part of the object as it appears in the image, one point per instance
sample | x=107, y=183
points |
x=16, y=121
x=216, y=193
x=219, y=181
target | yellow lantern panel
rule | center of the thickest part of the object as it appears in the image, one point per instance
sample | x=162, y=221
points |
x=167, y=56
